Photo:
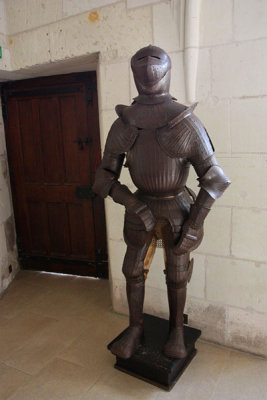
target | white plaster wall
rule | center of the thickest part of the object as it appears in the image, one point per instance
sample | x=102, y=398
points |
x=8, y=251
x=5, y=61
x=227, y=293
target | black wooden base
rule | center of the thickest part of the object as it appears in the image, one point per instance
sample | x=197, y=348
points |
x=149, y=363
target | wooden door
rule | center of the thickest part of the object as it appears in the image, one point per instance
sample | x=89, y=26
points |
x=53, y=146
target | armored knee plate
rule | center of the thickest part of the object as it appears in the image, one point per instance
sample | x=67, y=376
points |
x=178, y=276
x=133, y=265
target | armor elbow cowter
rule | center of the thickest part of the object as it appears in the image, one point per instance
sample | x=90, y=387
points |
x=103, y=182
x=214, y=181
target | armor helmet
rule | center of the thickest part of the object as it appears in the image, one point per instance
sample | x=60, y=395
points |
x=151, y=69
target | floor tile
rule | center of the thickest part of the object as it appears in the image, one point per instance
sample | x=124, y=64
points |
x=94, y=303
x=52, y=280
x=27, y=276
x=58, y=380
x=16, y=332
x=46, y=345
x=244, y=378
x=120, y=386
x=10, y=380
x=19, y=296
x=58, y=304
x=53, y=338
x=90, y=349
x=73, y=300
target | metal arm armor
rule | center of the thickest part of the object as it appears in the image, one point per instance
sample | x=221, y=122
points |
x=214, y=181
x=107, y=174
x=120, y=139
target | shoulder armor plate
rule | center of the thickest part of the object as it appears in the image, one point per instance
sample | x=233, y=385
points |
x=121, y=137
x=203, y=147
x=177, y=141
x=186, y=137
x=119, y=109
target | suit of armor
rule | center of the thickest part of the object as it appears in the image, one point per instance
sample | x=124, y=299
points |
x=160, y=138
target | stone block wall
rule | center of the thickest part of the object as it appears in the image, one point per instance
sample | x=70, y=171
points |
x=233, y=38
x=227, y=294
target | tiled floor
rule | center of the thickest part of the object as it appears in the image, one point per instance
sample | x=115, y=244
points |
x=53, y=335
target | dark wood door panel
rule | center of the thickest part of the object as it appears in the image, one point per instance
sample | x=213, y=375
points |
x=72, y=131
x=28, y=123
x=51, y=140
x=53, y=149
x=37, y=228
x=76, y=218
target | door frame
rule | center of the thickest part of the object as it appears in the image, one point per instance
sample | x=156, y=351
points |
x=27, y=262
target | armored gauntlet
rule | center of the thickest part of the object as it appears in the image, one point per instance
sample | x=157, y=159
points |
x=212, y=184
x=106, y=183
x=122, y=195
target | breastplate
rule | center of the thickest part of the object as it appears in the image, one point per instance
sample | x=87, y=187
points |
x=152, y=170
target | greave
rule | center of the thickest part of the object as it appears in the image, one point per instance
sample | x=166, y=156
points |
x=176, y=298
x=175, y=347
x=135, y=295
